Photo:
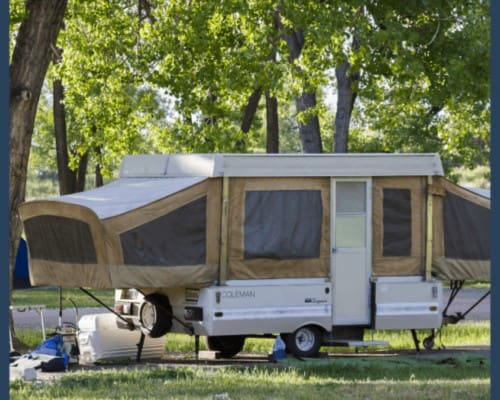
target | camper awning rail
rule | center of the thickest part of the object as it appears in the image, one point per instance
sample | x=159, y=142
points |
x=281, y=165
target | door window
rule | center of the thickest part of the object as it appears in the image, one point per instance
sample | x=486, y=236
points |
x=350, y=222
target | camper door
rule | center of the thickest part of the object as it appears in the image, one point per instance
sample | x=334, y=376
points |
x=351, y=249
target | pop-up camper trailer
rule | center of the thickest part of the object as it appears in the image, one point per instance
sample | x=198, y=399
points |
x=316, y=248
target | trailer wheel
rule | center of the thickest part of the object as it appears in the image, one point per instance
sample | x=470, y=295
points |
x=428, y=342
x=228, y=346
x=155, y=315
x=304, y=342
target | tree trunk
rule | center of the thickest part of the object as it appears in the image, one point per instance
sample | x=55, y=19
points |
x=69, y=181
x=272, y=125
x=309, y=131
x=345, y=103
x=145, y=11
x=346, y=96
x=30, y=60
x=250, y=110
x=67, y=177
x=81, y=172
x=99, y=180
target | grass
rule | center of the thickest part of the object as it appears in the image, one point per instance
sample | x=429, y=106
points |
x=50, y=297
x=343, y=375
x=476, y=285
x=337, y=377
x=463, y=334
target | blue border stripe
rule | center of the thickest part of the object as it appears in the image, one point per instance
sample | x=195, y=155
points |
x=4, y=197
x=495, y=194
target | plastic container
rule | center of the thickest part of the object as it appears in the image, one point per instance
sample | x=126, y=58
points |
x=100, y=340
x=279, y=349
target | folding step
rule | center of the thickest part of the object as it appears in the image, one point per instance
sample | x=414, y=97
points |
x=357, y=343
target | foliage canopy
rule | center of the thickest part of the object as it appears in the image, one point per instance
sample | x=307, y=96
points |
x=154, y=76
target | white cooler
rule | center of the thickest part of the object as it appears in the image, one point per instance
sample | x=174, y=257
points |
x=100, y=340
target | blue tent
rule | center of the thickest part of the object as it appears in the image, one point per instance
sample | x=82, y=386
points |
x=21, y=271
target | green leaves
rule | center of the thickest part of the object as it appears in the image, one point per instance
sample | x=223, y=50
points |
x=178, y=78
x=426, y=87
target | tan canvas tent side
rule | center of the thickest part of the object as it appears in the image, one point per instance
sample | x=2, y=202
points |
x=399, y=211
x=461, y=231
x=279, y=228
x=67, y=243
x=171, y=242
x=134, y=232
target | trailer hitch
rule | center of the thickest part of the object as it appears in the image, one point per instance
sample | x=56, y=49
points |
x=455, y=287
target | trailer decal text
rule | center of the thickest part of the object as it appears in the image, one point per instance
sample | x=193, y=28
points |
x=236, y=294
x=314, y=300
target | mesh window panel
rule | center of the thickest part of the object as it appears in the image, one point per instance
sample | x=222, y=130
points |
x=351, y=197
x=283, y=224
x=397, y=222
x=61, y=239
x=177, y=238
x=466, y=229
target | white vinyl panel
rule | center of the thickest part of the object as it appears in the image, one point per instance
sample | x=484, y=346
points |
x=351, y=299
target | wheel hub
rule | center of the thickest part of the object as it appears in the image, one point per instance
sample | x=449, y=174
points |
x=304, y=339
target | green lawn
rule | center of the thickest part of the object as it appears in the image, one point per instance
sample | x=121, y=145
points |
x=402, y=377
x=463, y=334
x=343, y=375
x=50, y=297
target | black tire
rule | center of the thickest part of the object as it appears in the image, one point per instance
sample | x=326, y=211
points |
x=155, y=315
x=228, y=346
x=304, y=342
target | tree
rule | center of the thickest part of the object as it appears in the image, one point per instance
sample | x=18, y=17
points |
x=236, y=52
x=426, y=87
x=30, y=59
x=70, y=180
x=210, y=60
x=309, y=129
x=150, y=75
x=110, y=110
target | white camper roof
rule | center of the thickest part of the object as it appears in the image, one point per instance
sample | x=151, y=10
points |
x=123, y=195
x=281, y=165
x=140, y=180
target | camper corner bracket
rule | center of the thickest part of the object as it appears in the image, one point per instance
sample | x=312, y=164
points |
x=430, y=217
x=224, y=231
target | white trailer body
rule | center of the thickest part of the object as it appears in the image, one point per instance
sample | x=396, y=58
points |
x=269, y=307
